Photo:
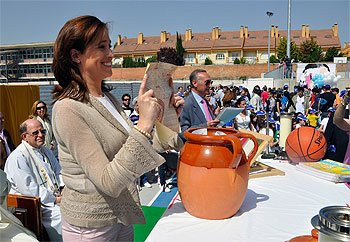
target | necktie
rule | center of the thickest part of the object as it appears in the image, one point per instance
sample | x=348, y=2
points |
x=206, y=111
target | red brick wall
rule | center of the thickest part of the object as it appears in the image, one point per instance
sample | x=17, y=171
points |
x=217, y=72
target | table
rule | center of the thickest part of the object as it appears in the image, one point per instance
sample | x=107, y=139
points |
x=276, y=208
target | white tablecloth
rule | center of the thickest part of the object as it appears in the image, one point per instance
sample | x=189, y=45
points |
x=276, y=208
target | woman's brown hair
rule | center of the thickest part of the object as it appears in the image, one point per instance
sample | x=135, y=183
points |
x=77, y=34
x=34, y=113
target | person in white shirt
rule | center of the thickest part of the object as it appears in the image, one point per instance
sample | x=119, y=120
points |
x=300, y=104
x=34, y=171
x=324, y=121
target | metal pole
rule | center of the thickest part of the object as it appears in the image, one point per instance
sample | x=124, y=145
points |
x=268, y=48
x=288, y=30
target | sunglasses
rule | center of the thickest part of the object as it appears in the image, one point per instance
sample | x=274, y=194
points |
x=208, y=82
x=35, y=133
x=38, y=108
x=126, y=99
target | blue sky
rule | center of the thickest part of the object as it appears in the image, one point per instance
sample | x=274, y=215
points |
x=40, y=21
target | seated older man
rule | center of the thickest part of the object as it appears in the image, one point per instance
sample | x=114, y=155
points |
x=33, y=170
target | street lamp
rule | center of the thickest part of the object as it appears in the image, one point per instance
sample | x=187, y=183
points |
x=268, y=50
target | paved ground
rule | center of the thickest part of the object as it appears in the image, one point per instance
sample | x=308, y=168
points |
x=154, y=196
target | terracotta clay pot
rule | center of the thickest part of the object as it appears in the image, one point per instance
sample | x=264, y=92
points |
x=306, y=238
x=213, y=173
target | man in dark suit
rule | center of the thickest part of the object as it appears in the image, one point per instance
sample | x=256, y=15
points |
x=196, y=112
x=6, y=144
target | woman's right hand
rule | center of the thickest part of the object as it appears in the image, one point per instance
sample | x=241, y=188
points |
x=149, y=107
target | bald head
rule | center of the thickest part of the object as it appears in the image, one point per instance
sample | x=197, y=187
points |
x=32, y=132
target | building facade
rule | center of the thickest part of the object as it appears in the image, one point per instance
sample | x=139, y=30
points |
x=223, y=47
x=26, y=62
x=346, y=49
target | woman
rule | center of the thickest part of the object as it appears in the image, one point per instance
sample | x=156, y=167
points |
x=242, y=120
x=101, y=152
x=40, y=113
x=253, y=122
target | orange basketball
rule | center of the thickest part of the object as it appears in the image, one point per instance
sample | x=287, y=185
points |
x=305, y=144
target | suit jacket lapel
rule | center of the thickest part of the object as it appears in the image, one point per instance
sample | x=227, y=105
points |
x=109, y=117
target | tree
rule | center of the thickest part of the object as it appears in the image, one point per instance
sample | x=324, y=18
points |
x=168, y=55
x=331, y=53
x=310, y=51
x=180, y=49
x=128, y=62
x=151, y=59
x=282, y=49
x=273, y=59
x=236, y=61
x=140, y=62
x=208, y=61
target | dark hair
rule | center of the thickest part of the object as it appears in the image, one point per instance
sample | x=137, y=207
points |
x=252, y=116
x=194, y=75
x=336, y=89
x=239, y=101
x=77, y=33
x=126, y=95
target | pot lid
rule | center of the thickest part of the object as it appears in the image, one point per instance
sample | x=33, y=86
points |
x=333, y=221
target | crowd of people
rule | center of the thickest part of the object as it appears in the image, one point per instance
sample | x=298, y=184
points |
x=88, y=163
x=313, y=108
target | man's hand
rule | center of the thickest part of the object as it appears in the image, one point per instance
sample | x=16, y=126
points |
x=213, y=123
x=58, y=199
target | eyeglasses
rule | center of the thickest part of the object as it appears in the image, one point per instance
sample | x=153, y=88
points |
x=42, y=107
x=35, y=133
x=126, y=99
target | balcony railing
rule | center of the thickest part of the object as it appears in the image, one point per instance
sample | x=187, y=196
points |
x=231, y=59
x=250, y=60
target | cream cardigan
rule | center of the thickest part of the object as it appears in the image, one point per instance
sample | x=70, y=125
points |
x=100, y=162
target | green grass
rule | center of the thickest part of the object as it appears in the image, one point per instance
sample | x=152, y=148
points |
x=152, y=214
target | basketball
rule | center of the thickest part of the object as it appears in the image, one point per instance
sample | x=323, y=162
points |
x=305, y=144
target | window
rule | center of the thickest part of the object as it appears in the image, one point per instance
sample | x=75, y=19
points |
x=155, y=42
x=223, y=38
x=220, y=56
x=133, y=44
x=207, y=39
x=169, y=41
x=296, y=37
x=252, y=37
x=190, y=55
x=203, y=56
x=266, y=37
x=314, y=37
x=328, y=36
x=123, y=44
x=145, y=43
x=195, y=40
x=235, y=37
x=235, y=54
